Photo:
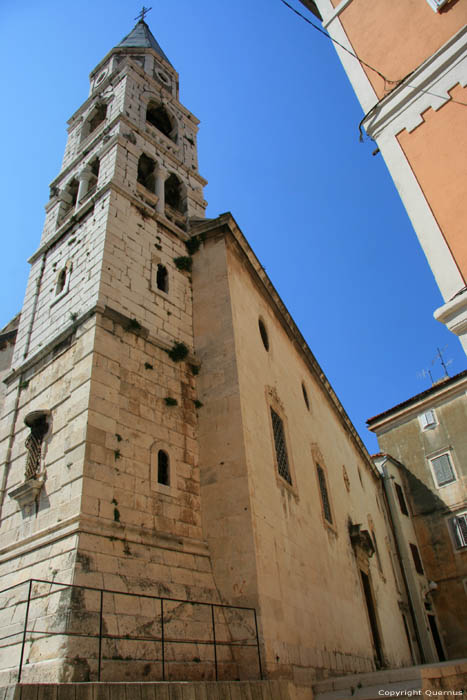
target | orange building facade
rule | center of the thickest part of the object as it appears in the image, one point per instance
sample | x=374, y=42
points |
x=417, y=115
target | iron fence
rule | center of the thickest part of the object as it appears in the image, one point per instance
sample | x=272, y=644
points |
x=216, y=622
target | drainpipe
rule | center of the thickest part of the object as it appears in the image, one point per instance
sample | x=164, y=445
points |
x=11, y=439
x=401, y=566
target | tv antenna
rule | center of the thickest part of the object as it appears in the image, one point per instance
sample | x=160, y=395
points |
x=425, y=373
x=439, y=356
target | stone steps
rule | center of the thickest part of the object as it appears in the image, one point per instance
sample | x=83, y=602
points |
x=221, y=690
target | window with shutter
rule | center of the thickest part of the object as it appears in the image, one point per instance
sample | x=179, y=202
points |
x=443, y=470
x=459, y=530
x=428, y=419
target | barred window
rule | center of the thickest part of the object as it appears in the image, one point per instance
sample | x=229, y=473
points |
x=281, y=447
x=459, y=530
x=443, y=470
x=324, y=494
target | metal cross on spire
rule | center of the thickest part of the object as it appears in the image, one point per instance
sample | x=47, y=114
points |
x=143, y=13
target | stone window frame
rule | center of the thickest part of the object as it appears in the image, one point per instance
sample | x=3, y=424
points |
x=169, y=489
x=273, y=402
x=439, y=453
x=67, y=269
x=459, y=539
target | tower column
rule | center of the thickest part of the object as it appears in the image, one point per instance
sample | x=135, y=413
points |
x=161, y=176
x=84, y=179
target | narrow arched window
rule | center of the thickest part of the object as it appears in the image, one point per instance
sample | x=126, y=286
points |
x=146, y=173
x=162, y=278
x=264, y=334
x=61, y=281
x=305, y=396
x=163, y=468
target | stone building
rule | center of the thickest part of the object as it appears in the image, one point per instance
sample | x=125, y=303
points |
x=167, y=432
x=412, y=85
x=426, y=436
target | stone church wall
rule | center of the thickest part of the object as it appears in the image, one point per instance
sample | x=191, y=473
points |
x=271, y=538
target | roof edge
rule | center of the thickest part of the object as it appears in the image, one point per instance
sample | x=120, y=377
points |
x=432, y=391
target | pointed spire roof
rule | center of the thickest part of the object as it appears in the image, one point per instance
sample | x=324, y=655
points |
x=141, y=37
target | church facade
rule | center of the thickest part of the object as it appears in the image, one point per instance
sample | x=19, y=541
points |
x=167, y=432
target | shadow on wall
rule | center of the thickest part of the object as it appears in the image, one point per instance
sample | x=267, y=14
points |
x=424, y=500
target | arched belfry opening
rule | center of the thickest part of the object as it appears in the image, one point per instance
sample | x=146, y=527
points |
x=157, y=115
x=95, y=118
x=147, y=172
x=174, y=194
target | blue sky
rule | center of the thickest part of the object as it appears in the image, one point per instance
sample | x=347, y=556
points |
x=279, y=145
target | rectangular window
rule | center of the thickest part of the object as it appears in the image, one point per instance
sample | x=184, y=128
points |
x=281, y=447
x=416, y=559
x=443, y=470
x=459, y=530
x=324, y=494
x=401, y=499
x=428, y=419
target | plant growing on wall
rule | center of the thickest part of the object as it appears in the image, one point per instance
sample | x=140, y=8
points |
x=184, y=263
x=178, y=352
x=193, y=244
x=170, y=401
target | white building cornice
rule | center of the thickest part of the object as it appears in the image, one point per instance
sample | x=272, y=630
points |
x=427, y=87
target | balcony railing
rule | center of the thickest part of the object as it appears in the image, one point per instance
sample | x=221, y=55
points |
x=121, y=635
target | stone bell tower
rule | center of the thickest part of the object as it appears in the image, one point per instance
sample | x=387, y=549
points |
x=99, y=430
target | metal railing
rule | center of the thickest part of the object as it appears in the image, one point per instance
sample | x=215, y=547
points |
x=28, y=632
